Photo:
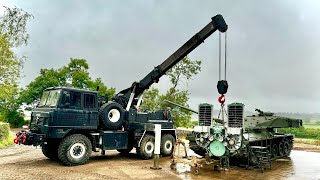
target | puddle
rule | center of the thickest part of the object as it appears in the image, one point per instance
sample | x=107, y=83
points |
x=300, y=165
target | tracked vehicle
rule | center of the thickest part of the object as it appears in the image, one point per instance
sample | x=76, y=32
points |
x=251, y=140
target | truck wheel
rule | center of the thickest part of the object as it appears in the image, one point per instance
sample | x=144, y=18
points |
x=50, y=151
x=167, y=143
x=111, y=115
x=146, y=149
x=74, y=150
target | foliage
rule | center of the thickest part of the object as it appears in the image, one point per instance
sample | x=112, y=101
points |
x=10, y=66
x=13, y=24
x=6, y=137
x=183, y=71
x=151, y=100
x=303, y=132
x=12, y=34
x=180, y=73
x=16, y=119
x=74, y=74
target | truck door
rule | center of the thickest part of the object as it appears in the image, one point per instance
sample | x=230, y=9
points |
x=90, y=110
x=71, y=113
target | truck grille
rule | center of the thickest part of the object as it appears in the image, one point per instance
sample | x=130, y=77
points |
x=235, y=115
x=205, y=114
x=36, y=121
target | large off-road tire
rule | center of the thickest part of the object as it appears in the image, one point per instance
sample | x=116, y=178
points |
x=50, y=150
x=111, y=115
x=74, y=150
x=146, y=149
x=167, y=144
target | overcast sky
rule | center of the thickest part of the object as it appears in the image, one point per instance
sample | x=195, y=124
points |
x=273, y=46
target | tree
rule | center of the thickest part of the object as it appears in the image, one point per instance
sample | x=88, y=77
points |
x=74, y=74
x=12, y=35
x=13, y=24
x=180, y=73
x=10, y=68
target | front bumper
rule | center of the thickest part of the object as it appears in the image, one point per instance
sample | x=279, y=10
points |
x=29, y=138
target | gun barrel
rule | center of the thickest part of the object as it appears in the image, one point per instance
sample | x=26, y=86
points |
x=175, y=104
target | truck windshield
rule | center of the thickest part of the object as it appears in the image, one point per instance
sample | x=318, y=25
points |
x=50, y=98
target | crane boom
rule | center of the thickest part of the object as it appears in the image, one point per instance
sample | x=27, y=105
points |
x=127, y=96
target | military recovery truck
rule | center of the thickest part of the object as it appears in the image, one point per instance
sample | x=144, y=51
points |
x=250, y=141
x=70, y=123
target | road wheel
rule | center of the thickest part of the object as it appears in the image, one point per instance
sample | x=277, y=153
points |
x=274, y=151
x=112, y=115
x=281, y=149
x=50, y=150
x=286, y=149
x=74, y=150
x=146, y=149
x=167, y=143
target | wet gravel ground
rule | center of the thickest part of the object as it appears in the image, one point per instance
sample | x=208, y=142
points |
x=26, y=162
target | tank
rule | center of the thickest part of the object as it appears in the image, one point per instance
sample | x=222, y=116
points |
x=244, y=140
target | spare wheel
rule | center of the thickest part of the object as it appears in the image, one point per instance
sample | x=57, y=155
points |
x=112, y=115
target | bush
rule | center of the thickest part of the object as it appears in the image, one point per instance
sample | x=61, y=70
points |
x=302, y=132
x=15, y=119
x=6, y=137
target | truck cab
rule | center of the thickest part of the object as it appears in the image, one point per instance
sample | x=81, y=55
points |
x=62, y=109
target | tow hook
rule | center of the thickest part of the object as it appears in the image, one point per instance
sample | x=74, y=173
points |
x=20, y=138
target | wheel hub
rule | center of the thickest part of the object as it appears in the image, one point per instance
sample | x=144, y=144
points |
x=168, y=145
x=77, y=150
x=149, y=147
x=114, y=115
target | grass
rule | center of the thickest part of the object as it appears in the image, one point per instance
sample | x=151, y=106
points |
x=307, y=141
x=302, y=132
x=6, y=136
x=4, y=142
